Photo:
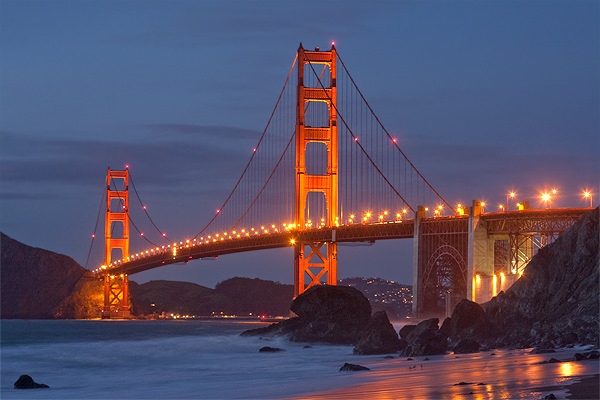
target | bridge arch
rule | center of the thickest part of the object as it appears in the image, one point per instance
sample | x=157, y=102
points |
x=444, y=278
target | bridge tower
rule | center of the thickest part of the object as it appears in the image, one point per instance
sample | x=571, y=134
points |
x=320, y=265
x=116, y=287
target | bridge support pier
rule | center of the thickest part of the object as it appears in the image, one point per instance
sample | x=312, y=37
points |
x=319, y=266
x=116, y=288
x=315, y=262
x=417, y=287
x=116, y=297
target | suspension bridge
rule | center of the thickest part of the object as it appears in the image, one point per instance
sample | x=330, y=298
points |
x=325, y=172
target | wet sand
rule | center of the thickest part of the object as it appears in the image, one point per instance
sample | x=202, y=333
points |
x=498, y=374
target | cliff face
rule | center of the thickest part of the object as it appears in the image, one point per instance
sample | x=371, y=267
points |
x=37, y=283
x=559, y=291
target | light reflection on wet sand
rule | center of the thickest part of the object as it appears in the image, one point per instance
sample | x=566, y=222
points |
x=509, y=374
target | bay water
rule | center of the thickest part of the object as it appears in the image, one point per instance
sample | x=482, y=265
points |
x=165, y=359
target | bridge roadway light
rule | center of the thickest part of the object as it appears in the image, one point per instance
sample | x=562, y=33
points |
x=512, y=196
x=587, y=194
x=546, y=198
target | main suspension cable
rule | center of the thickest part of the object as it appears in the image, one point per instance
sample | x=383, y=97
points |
x=254, y=153
x=146, y=211
x=359, y=144
x=390, y=137
x=97, y=221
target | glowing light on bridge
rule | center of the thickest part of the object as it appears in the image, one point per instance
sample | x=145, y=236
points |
x=512, y=195
x=546, y=198
x=588, y=195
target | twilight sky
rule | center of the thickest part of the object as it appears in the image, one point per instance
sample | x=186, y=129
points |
x=486, y=97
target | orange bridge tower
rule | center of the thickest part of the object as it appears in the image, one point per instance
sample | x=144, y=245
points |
x=320, y=264
x=116, y=289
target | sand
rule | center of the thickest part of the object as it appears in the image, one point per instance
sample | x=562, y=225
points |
x=497, y=374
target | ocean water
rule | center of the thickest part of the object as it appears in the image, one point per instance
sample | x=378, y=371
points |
x=171, y=359
x=209, y=360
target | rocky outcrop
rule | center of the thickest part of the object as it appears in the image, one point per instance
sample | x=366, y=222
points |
x=327, y=314
x=37, y=283
x=427, y=344
x=27, y=382
x=379, y=337
x=556, y=299
x=468, y=321
x=465, y=346
x=425, y=339
x=84, y=302
x=336, y=315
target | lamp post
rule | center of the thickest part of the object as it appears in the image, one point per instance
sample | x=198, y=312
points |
x=587, y=194
x=546, y=197
x=512, y=196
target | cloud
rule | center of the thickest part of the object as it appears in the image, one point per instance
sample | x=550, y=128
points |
x=171, y=155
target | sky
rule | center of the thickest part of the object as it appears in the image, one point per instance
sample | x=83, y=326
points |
x=487, y=97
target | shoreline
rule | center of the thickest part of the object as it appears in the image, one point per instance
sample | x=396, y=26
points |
x=583, y=388
x=492, y=374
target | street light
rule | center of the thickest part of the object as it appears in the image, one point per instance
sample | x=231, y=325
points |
x=587, y=194
x=512, y=196
x=546, y=198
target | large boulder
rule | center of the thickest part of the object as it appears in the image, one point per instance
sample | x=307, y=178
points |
x=325, y=313
x=428, y=343
x=379, y=337
x=406, y=330
x=468, y=320
x=428, y=325
x=465, y=346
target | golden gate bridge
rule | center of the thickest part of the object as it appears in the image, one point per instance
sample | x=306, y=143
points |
x=325, y=172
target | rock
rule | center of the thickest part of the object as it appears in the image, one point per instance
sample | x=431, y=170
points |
x=426, y=325
x=469, y=320
x=551, y=396
x=388, y=357
x=379, y=337
x=542, y=350
x=579, y=357
x=462, y=383
x=553, y=361
x=593, y=355
x=445, y=328
x=428, y=343
x=405, y=330
x=353, y=367
x=27, y=382
x=325, y=313
x=558, y=292
x=465, y=346
x=268, y=349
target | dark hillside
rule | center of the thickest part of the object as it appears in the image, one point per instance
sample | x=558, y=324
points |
x=36, y=282
x=182, y=298
x=256, y=296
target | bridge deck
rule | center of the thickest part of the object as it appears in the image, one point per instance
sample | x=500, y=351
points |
x=191, y=250
x=523, y=221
